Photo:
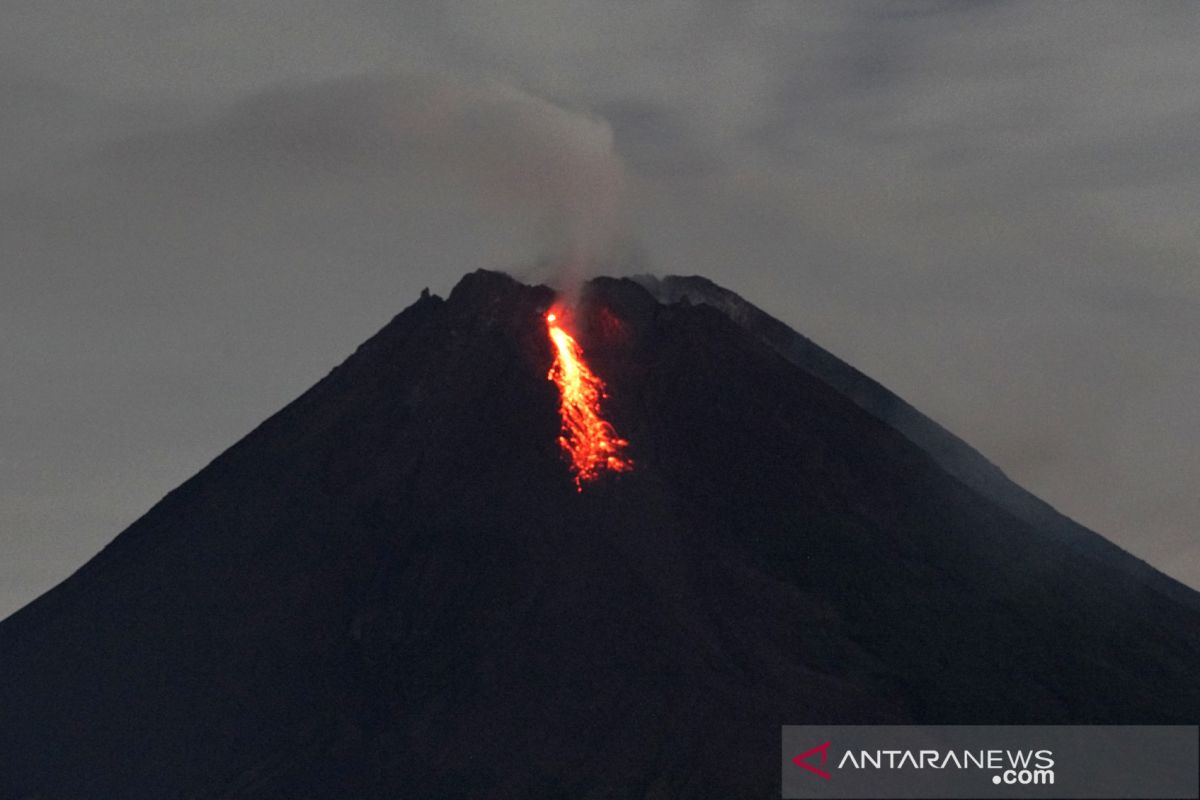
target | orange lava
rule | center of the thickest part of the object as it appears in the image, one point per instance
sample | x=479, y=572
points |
x=587, y=438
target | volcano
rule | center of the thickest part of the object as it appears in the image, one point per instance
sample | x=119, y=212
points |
x=396, y=587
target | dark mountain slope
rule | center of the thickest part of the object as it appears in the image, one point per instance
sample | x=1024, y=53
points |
x=392, y=589
x=951, y=453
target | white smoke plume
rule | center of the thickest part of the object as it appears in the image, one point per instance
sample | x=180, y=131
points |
x=540, y=165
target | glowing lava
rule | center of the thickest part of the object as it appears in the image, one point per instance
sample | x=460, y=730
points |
x=587, y=438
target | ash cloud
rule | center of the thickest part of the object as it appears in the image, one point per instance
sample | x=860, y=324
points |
x=521, y=161
x=550, y=170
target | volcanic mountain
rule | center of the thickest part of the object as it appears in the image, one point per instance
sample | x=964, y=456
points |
x=395, y=588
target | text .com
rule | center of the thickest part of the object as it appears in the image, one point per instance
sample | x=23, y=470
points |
x=1025, y=777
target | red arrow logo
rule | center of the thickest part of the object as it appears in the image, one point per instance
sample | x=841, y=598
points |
x=823, y=749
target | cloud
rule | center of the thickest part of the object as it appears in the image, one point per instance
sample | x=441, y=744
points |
x=548, y=170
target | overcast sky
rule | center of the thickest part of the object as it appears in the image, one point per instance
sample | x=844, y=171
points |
x=990, y=207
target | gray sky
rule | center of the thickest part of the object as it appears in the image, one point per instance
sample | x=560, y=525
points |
x=204, y=206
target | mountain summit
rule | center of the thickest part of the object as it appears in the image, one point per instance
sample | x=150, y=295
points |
x=394, y=587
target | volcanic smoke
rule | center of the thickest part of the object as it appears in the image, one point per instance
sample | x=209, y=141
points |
x=588, y=439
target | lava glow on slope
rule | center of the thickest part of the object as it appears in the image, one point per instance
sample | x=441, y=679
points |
x=588, y=439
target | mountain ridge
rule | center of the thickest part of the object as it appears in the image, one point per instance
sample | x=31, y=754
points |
x=951, y=452
x=392, y=585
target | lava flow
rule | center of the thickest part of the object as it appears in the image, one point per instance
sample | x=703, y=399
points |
x=587, y=438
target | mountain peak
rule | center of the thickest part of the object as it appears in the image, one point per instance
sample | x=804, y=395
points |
x=394, y=586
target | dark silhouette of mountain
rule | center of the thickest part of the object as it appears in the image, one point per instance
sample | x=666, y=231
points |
x=392, y=588
x=951, y=453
